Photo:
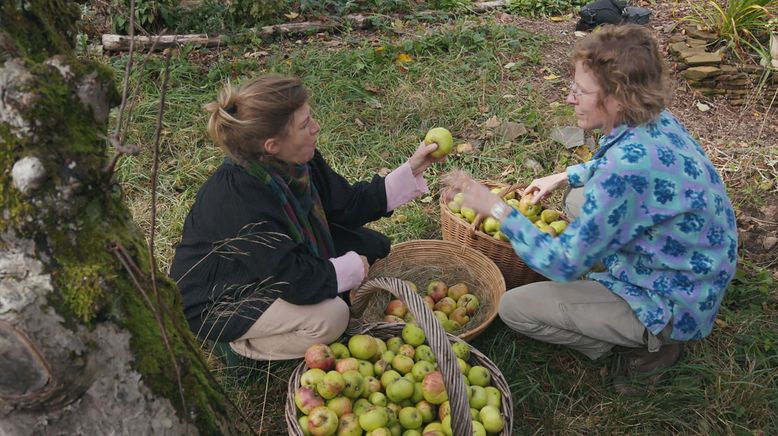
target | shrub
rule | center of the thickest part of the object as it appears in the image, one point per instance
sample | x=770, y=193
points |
x=540, y=8
x=738, y=22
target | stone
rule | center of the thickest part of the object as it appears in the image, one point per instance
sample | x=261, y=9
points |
x=692, y=52
x=568, y=136
x=700, y=73
x=701, y=34
x=769, y=242
x=678, y=47
x=696, y=42
x=703, y=59
x=28, y=174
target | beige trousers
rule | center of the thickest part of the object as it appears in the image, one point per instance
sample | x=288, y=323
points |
x=285, y=331
x=583, y=315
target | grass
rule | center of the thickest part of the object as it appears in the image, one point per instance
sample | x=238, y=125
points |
x=373, y=112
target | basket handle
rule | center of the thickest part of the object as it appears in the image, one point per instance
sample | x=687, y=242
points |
x=479, y=218
x=437, y=338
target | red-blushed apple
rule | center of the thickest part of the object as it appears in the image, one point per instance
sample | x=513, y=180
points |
x=462, y=350
x=421, y=369
x=362, y=347
x=402, y=364
x=392, y=318
x=373, y=419
x=346, y=364
x=306, y=399
x=400, y=389
x=381, y=366
x=457, y=291
x=436, y=289
x=340, y=350
x=444, y=410
x=469, y=302
x=429, y=302
x=427, y=411
x=406, y=350
x=424, y=352
x=320, y=356
x=348, y=425
x=355, y=384
x=373, y=384
x=410, y=418
x=381, y=431
x=322, y=422
x=413, y=334
x=442, y=137
x=366, y=368
x=396, y=308
x=459, y=315
x=492, y=419
x=433, y=388
x=331, y=385
x=311, y=377
x=445, y=305
x=479, y=376
x=339, y=405
x=433, y=429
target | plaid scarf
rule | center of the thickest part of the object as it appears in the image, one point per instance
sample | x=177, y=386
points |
x=300, y=201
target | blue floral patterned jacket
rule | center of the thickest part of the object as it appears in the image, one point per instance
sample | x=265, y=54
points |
x=657, y=215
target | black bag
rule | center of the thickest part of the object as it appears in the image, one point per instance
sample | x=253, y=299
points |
x=600, y=12
x=636, y=15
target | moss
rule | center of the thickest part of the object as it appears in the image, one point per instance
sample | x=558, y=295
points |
x=81, y=289
x=40, y=28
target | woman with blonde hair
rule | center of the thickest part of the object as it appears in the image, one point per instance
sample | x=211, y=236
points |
x=649, y=206
x=275, y=236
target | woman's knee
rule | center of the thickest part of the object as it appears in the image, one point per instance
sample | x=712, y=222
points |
x=514, y=305
x=333, y=320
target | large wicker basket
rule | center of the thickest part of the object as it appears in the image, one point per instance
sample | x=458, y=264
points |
x=454, y=228
x=438, y=340
x=422, y=261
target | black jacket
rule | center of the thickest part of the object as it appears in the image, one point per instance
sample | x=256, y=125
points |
x=235, y=257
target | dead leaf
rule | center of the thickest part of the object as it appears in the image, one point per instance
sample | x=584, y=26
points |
x=721, y=323
x=369, y=87
x=427, y=199
x=492, y=122
x=702, y=107
x=550, y=77
x=511, y=130
x=509, y=65
x=359, y=122
x=557, y=19
x=507, y=171
x=483, y=109
x=464, y=148
x=404, y=58
x=583, y=153
x=579, y=34
x=292, y=15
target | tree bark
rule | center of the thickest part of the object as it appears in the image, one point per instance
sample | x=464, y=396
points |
x=88, y=345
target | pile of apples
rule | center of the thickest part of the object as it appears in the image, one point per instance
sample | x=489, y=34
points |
x=547, y=220
x=377, y=388
x=453, y=306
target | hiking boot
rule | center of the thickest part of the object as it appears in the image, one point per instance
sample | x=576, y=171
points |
x=640, y=363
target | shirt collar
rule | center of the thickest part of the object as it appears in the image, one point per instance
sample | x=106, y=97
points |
x=611, y=138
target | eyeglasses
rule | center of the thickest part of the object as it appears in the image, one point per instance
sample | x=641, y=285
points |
x=578, y=92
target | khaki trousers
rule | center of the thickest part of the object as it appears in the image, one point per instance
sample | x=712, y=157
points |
x=285, y=330
x=583, y=315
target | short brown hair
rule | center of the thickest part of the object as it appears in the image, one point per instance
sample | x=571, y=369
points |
x=626, y=62
x=243, y=119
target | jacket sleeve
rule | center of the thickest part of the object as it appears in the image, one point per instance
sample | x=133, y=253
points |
x=254, y=232
x=610, y=217
x=578, y=175
x=346, y=204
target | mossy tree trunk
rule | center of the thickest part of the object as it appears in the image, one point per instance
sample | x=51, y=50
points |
x=87, y=344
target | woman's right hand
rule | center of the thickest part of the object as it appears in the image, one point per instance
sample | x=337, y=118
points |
x=365, y=264
x=544, y=186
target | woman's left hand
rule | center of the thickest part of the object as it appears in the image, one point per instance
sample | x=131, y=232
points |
x=421, y=159
x=476, y=196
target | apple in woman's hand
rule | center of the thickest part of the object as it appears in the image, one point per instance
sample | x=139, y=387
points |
x=442, y=137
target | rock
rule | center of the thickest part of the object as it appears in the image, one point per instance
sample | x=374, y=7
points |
x=769, y=242
x=692, y=52
x=510, y=130
x=568, y=136
x=700, y=73
x=696, y=42
x=701, y=34
x=678, y=47
x=703, y=59
x=28, y=174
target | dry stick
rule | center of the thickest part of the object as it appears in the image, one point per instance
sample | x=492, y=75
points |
x=134, y=271
x=127, y=69
x=766, y=113
x=154, y=168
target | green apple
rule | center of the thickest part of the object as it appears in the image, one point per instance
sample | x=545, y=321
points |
x=549, y=215
x=491, y=419
x=442, y=317
x=427, y=410
x=346, y=364
x=303, y=421
x=424, y=352
x=373, y=385
x=512, y=202
x=462, y=350
x=477, y=397
x=362, y=347
x=380, y=367
x=446, y=305
x=355, y=384
x=456, y=292
x=388, y=377
x=366, y=368
x=361, y=406
x=410, y=418
x=406, y=350
x=373, y=419
x=558, y=226
x=400, y=389
x=413, y=334
x=447, y=425
x=393, y=344
x=464, y=367
x=479, y=376
x=459, y=315
x=418, y=395
x=409, y=376
x=422, y=368
x=411, y=433
x=444, y=410
x=402, y=364
x=451, y=326
x=459, y=197
x=381, y=431
x=331, y=385
x=493, y=396
x=468, y=213
x=442, y=137
x=322, y=421
x=378, y=399
x=478, y=429
x=340, y=350
x=474, y=414
x=454, y=206
x=491, y=225
x=348, y=425
x=433, y=427
x=312, y=377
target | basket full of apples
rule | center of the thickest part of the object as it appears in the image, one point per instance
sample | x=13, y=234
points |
x=395, y=378
x=461, y=224
x=459, y=285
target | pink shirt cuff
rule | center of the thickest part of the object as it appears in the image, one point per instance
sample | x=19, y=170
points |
x=402, y=186
x=348, y=270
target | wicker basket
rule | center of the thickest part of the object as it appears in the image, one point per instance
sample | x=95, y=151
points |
x=438, y=340
x=421, y=261
x=454, y=228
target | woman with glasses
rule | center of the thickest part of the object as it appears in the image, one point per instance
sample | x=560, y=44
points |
x=649, y=206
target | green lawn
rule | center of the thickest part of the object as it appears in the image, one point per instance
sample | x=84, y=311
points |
x=373, y=112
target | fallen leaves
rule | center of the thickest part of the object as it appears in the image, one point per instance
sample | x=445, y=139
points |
x=702, y=107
